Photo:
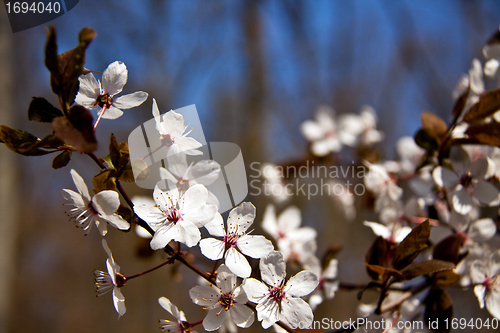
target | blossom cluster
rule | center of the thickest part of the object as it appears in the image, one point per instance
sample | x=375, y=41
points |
x=445, y=179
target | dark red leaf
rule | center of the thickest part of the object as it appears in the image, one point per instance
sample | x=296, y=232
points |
x=411, y=246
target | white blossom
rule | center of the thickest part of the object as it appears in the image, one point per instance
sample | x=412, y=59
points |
x=100, y=209
x=170, y=326
x=486, y=274
x=277, y=300
x=94, y=94
x=112, y=280
x=286, y=231
x=177, y=218
x=467, y=182
x=171, y=128
x=236, y=241
x=181, y=175
x=322, y=133
x=356, y=130
x=223, y=301
x=326, y=285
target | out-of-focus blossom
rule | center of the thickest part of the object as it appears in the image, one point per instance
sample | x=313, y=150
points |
x=410, y=154
x=326, y=285
x=286, y=231
x=322, y=132
x=382, y=185
x=467, y=182
x=356, y=130
x=486, y=274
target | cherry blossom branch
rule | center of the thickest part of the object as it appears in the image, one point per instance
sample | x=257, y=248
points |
x=169, y=261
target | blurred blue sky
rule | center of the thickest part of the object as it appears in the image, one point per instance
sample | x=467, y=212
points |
x=401, y=57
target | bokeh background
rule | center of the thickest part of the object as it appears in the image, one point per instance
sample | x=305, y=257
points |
x=255, y=70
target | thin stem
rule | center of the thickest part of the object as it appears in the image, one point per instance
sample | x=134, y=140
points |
x=99, y=118
x=169, y=261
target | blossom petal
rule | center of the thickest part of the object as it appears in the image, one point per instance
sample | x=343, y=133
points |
x=254, y=246
x=242, y=316
x=461, y=201
x=378, y=229
x=204, y=295
x=297, y=311
x=114, y=78
x=195, y=196
x=301, y=284
x=106, y=202
x=173, y=124
x=151, y=214
x=77, y=198
x=215, y=318
x=289, y=219
x=171, y=308
x=119, y=302
x=444, y=177
x=131, y=100
x=205, y=172
x=492, y=301
x=116, y=221
x=269, y=223
x=89, y=88
x=112, y=113
x=482, y=230
x=331, y=270
x=255, y=290
x=240, y=218
x=80, y=185
x=237, y=263
x=273, y=268
x=311, y=130
x=216, y=226
x=101, y=226
x=268, y=311
x=212, y=248
x=186, y=232
x=187, y=144
x=161, y=237
x=486, y=193
x=226, y=280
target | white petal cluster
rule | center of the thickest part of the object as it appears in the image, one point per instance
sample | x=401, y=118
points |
x=223, y=301
x=94, y=94
x=176, y=217
x=101, y=209
x=486, y=274
x=277, y=300
x=236, y=241
x=112, y=280
x=172, y=133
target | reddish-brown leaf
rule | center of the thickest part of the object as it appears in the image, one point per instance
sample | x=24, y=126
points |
x=425, y=267
x=411, y=246
x=488, y=104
